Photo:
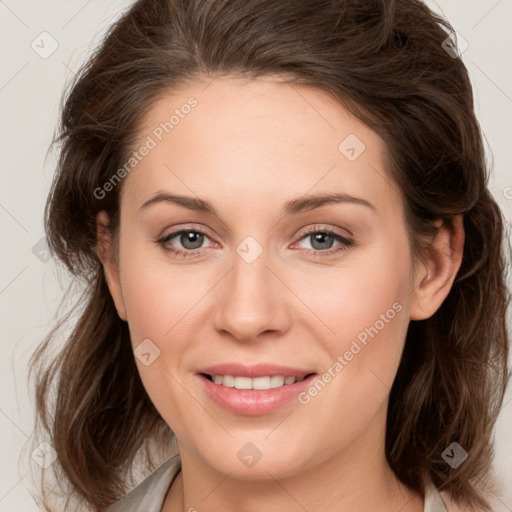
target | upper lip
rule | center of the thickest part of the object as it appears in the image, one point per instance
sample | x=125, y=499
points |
x=253, y=371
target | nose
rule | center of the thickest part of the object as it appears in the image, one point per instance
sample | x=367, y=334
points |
x=252, y=301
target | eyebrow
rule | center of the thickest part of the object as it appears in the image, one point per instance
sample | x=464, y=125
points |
x=301, y=204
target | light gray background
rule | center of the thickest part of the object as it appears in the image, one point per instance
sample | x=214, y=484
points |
x=30, y=91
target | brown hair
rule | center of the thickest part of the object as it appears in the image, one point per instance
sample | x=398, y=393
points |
x=383, y=60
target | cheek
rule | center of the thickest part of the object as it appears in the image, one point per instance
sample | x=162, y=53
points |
x=367, y=314
x=159, y=305
x=363, y=323
x=157, y=296
x=365, y=292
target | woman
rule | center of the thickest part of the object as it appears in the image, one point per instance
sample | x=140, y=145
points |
x=293, y=267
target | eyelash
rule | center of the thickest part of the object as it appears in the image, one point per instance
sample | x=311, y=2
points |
x=345, y=243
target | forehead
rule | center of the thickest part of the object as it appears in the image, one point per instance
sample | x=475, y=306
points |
x=242, y=139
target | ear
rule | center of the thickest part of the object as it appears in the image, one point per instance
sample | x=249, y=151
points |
x=107, y=256
x=435, y=275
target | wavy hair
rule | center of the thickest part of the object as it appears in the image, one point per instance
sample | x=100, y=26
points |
x=385, y=61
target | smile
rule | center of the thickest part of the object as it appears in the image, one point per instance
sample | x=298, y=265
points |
x=253, y=390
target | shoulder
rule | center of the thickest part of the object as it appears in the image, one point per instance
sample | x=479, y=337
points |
x=440, y=501
x=451, y=505
x=150, y=494
x=454, y=506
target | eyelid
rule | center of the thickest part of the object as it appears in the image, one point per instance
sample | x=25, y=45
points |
x=324, y=228
x=198, y=228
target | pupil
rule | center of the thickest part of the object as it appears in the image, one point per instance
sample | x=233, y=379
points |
x=191, y=240
x=322, y=239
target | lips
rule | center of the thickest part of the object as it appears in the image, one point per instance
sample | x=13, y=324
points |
x=253, y=390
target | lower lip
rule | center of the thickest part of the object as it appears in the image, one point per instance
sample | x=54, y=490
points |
x=253, y=402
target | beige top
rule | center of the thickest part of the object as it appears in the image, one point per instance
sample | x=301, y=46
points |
x=150, y=494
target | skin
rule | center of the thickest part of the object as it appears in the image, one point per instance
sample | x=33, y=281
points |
x=248, y=148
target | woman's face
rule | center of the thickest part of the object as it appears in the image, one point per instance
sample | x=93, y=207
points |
x=260, y=234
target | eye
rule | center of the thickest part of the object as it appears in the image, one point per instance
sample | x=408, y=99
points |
x=184, y=242
x=325, y=241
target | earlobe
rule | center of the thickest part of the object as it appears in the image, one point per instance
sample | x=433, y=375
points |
x=105, y=252
x=436, y=274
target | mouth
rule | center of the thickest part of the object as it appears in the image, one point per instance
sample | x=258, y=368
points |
x=253, y=390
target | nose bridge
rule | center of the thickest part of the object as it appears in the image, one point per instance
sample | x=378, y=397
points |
x=251, y=298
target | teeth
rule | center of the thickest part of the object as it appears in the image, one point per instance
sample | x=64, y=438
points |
x=270, y=382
